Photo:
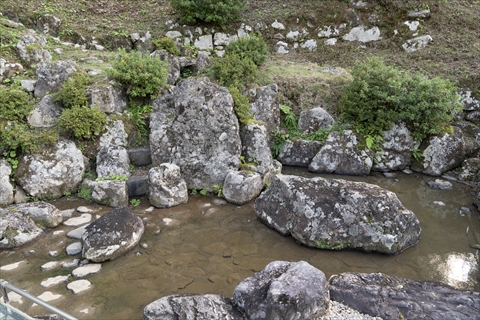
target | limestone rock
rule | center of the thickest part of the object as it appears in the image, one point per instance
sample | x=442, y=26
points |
x=49, y=24
x=112, y=158
x=8, y=70
x=196, y=129
x=111, y=235
x=283, y=290
x=43, y=213
x=166, y=186
x=203, y=61
x=16, y=229
x=45, y=114
x=51, y=75
x=30, y=48
x=417, y=43
x=363, y=34
x=315, y=119
x=6, y=188
x=299, y=153
x=198, y=307
x=341, y=155
x=264, y=107
x=111, y=193
x=109, y=99
x=143, y=43
x=54, y=172
x=388, y=297
x=338, y=214
x=241, y=187
x=442, y=153
x=204, y=42
x=173, y=64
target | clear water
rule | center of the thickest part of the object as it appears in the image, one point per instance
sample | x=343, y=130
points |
x=207, y=248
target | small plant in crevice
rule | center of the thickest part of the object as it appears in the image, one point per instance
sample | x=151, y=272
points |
x=135, y=202
x=113, y=176
x=203, y=192
x=73, y=91
x=167, y=44
x=218, y=189
x=85, y=193
x=241, y=105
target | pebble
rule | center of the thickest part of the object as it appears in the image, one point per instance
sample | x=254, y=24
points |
x=32, y=251
x=149, y=210
x=83, y=209
x=79, y=286
x=53, y=281
x=12, y=266
x=53, y=253
x=78, y=221
x=49, y=265
x=390, y=174
x=219, y=202
x=58, y=232
x=439, y=203
x=87, y=269
x=144, y=245
x=407, y=171
x=74, y=248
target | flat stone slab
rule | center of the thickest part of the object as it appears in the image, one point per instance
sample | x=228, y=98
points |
x=87, y=269
x=49, y=265
x=79, y=286
x=74, y=248
x=12, y=266
x=53, y=281
x=70, y=264
x=83, y=209
x=48, y=296
x=78, y=221
x=77, y=233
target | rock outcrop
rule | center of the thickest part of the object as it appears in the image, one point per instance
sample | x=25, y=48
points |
x=338, y=214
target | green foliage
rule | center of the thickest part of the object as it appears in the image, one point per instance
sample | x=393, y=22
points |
x=417, y=154
x=83, y=122
x=135, y=202
x=113, y=176
x=85, y=193
x=218, y=190
x=379, y=95
x=290, y=121
x=15, y=103
x=73, y=92
x=218, y=12
x=20, y=138
x=194, y=192
x=140, y=115
x=203, y=192
x=166, y=43
x=143, y=76
x=241, y=105
x=251, y=47
x=278, y=142
x=232, y=70
x=12, y=158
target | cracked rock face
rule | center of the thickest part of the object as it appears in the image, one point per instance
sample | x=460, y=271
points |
x=338, y=214
x=111, y=235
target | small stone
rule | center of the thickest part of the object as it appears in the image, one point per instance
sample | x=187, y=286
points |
x=277, y=25
x=83, y=209
x=74, y=248
x=168, y=263
x=465, y=209
x=53, y=253
x=12, y=266
x=439, y=203
x=71, y=264
x=331, y=41
x=31, y=251
x=53, y=281
x=138, y=253
x=150, y=210
x=390, y=174
x=79, y=286
x=475, y=246
x=55, y=233
x=219, y=202
x=49, y=265
x=144, y=245
x=407, y=171
x=77, y=233
x=78, y=221
x=440, y=184
x=158, y=232
x=85, y=270
x=48, y=296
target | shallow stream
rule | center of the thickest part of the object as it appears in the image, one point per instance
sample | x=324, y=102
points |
x=203, y=247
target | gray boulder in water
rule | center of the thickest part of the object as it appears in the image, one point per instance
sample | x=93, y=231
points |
x=338, y=214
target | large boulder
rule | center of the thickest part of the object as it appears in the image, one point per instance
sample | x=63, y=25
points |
x=166, y=186
x=395, y=150
x=111, y=235
x=42, y=213
x=283, y=290
x=54, y=172
x=298, y=152
x=16, y=229
x=264, y=107
x=342, y=154
x=196, y=128
x=6, y=188
x=441, y=154
x=51, y=75
x=198, y=307
x=338, y=214
x=242, y=186
x=392, y=297
x=30, y=48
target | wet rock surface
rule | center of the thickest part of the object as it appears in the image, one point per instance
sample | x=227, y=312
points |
x=394, y=297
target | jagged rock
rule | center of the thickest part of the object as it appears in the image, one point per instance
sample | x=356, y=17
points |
x=241, y=187
x=16, y=229
x=469, y=102
x=198, y=307
x=471, y=137
x=20, y=195
x=166, y=186
x=137, y=186
x=6, y=188
x=109, y=99
x=396, y=149
x=203, y=61
x=221, y=39
x=8, y=70
x=45, y=114
x=255, y=146
x=391, y=297
x=328, y=32
x=341, y=155
x=417, y=43
x=315, y=119
x=115, y=135
x=283, y=290
x=28, y=85
x=363, y=34
x=299, y=153
x=54, y=172
x=265, y=107
x=49, y=24
x=112, y=158
x=278, y=25
x=30, y=49
x=111, y=193
x=338, y=214
x=173, y=34
x=173, y=63
x=42, y=213
x=310, y=44
x=111, y=235
x=196, y=129
x=441, y=154
x=51, y=75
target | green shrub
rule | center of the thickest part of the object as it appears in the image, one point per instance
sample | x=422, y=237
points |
x=15, y=103
x=83, y=122
x=233, y=71
x=73, y=92
x=379, y=95
x=251, y=47
x=143, y=76
x=19, y=137
x=241, y=105
x=140, y=115
x=168, y=44
x=85, y=193
x=218, y=12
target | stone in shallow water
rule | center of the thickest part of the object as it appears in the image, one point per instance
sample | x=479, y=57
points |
x=53, y=281
x=77, y=233
x=79, y=286
x=87, y=269
x=83, y=209
x=49, y=265
x=70, y=264
x=78, y=221
x=48, y=296
x=74, y=248
x=12, y=266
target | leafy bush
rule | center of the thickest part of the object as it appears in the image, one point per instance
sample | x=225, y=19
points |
x=85, y=193
x=19, y=137
x=73, y=92
x=15, y=103
x=233, y=71
x=251, y=47
x=83, y=122
x=143, y=76
x=379, y=95
x=168, y=44
x=241, y=105
x=140, y=115
x=218, y=12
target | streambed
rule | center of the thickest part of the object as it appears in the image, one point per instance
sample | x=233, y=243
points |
x=203, y=247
